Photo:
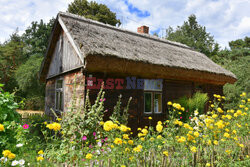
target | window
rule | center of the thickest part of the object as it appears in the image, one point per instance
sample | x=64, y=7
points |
x=152, y=96
x=59, y=95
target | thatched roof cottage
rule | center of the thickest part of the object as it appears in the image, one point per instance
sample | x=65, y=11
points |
x=151, y=70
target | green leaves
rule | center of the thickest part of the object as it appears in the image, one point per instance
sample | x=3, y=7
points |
x=94, y=11
x=194, y=35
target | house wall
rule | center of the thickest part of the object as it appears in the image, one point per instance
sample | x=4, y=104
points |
x=73, y=81
x=172, y=90
x=64, y=57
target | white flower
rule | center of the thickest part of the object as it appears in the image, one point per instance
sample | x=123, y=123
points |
x=98, y=152
x=14, y=163
x=99, y=144
x=21, y=162
x=3, y=159
x=19, y=145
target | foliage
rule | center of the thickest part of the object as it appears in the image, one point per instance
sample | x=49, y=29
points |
x=197, y=102
x=94, y=11
x=11, y=56
x=194, y=35
x=8, y=107
x=237, y=60
x=217, y=138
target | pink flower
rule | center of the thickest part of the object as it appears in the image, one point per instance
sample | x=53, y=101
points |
x=180, y=117
x=94, y=133
x=84, y=138
x=102, y=100
x=105, y=139
x=90, y=146
x=186, y=110
x=25, y=126
x=102, y=140
x=189, y=117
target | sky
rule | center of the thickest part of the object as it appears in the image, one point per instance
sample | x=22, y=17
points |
x=226, y=20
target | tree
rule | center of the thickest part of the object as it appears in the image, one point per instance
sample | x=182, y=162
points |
x=11, y=56
x=94, y=11
x=194, y=35
x=236, y=60
x=36, y=37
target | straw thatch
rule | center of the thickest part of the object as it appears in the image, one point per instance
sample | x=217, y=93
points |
x=98, y=38
x=94, y=38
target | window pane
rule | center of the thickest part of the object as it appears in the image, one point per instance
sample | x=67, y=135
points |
x=147, y=102
x=158, y=103
x=57, y=97
x=59, y=84
x=61, y=101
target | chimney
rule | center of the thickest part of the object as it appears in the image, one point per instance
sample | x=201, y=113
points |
x=143, y=29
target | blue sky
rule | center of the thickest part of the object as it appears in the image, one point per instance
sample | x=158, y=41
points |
x=226, y=20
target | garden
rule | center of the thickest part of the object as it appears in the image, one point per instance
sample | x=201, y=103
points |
x=80, y=137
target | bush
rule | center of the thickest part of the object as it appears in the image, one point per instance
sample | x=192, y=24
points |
x=197, y=102
x=8, y=107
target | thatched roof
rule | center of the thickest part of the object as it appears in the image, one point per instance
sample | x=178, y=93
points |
x=94, y=38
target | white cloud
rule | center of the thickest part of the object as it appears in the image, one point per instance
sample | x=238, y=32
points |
x=225, y=19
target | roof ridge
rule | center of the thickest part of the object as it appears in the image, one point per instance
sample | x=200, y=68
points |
x=148, y=36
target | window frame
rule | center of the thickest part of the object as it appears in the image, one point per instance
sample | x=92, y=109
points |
x=153, y=92
x=60, y=92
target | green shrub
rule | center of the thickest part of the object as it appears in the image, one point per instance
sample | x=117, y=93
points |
x=197, y=102
x=8, y=107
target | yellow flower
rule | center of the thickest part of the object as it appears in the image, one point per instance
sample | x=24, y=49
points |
x=216, y=142
x=234, y=131
x=212, y=105
x=228, y=151
x=138, y=148
x=6, y=153
x=151, y=139
x=118, y=141
x=127, y=149
x=108, y=125
x=131, y=142
x=181, y=139
x=196, y=134
x=177, y=106
x=149, y=118
x=39, y=158
x=11, y=156
x=229, y=117
x=219, y=110
x=159, y=128
x=159, y=137
x=56, y=126
x=89, y=156
x=243, y=94
x=123, y=165
x=159, y=122
x=144, y=131
x=112, y=146
x=208, y=164
x=1, y=127
x=226, y=135
x=45, y=123
x=165, y=153
x=40, y=152
x=125, y=136
x=241, y=145
x=170, y=103
x=142, y=138
x=214, y=116
x=238, y=112
x=182, y=108
x=58, y=119
x=209, y=142
x=193, y=149
x=220, y=124
x=123, y=128
x=101, y=123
